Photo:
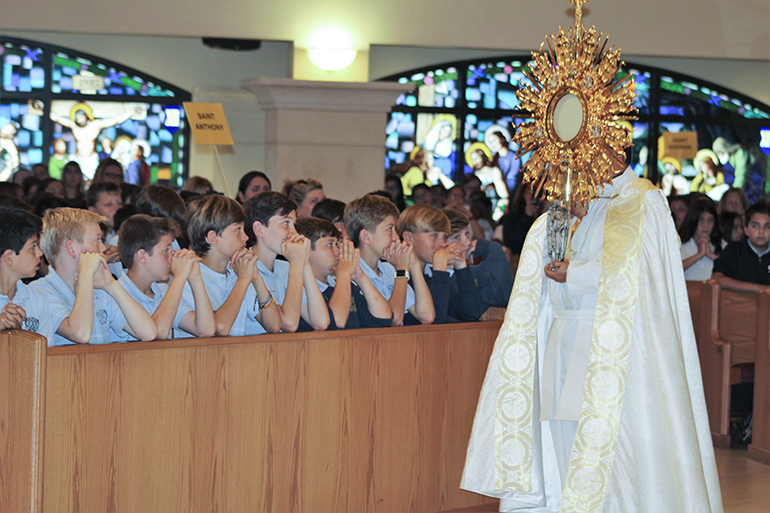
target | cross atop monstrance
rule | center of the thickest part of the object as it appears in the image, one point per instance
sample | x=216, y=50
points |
x=578, y=10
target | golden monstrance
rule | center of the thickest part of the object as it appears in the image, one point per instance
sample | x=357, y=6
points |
x=575, y=102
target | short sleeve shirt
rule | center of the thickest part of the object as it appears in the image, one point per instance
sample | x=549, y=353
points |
x=385, y=279
x=150, y=304
x=35, y=306
x=109, y=320
x=219, y=286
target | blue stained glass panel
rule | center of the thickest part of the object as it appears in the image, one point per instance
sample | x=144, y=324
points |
x=23, y=68
x=71, y=72
x=684, y=98
x=494, y=85
x=20, y=123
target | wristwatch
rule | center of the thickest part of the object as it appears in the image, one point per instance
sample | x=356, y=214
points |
x=402, y=274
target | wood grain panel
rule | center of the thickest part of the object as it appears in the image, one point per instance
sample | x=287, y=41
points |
x=22, y=411
x=759, y=449
x=365, y=420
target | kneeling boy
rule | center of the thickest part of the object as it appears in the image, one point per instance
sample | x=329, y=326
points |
x=452, y=287
x=145, y=243
x=23, y=307
x=371, y=224
x=86, y=303
x=242, y=303
x=353, y=300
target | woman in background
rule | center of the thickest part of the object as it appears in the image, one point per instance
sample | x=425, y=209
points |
x=305, y=193
x=251, y=184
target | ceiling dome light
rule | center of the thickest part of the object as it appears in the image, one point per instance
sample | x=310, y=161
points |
x=331, y=49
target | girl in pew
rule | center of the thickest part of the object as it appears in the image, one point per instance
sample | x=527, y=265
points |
x=701, y=239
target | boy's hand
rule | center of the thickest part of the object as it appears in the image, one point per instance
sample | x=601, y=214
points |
x=456, y=258
x=182, y=263
x=244, y=264
x=399, y=254
x=13, y=316
x=296, y=249
x=111, y=254
x=348, y=264
x=102, y=277
x=441, y=258
x=88, y=263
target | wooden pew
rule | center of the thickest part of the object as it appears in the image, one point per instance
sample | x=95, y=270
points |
x=22, y=415
x=759, y=448
x=727, y=324
x=356, y=421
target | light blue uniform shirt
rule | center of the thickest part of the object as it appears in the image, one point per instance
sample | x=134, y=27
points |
x=35, y=305
x=219, y=286
x=150, y=304
x=109, y=320
x=385, y=280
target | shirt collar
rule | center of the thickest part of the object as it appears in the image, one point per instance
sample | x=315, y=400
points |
x=760, y=255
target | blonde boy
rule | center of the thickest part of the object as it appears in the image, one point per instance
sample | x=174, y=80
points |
x=454, y=292
x=86, y=304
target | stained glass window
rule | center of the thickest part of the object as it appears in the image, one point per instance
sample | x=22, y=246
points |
x=494, y=86
x=688, y=98
x=21, y=135
x=23, y=67
x=84, y=76
x=678, y=116
x=435, y=88
x=60, y=105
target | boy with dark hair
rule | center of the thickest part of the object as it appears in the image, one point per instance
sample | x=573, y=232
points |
x=371, y=224
x=270, y=218
x=215, y=231
x=454, y=292
x=104, y=198
x=23, y=307
x=492, y=274
x=87, y=305
x=745, y=265
x=354, y=302
x=333, y=211
x=145, y=248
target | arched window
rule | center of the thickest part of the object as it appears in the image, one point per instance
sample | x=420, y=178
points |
x=57, y=105
x=683, y=124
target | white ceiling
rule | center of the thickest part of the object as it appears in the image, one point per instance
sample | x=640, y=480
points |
x=736, y=29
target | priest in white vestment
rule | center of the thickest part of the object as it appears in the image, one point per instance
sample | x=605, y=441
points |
x=593, y=399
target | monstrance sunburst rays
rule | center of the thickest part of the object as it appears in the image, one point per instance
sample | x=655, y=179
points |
x=575, y=63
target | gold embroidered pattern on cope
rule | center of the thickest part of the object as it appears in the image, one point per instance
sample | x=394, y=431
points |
x=594, y=446
x=592, y=452
x=516, y=374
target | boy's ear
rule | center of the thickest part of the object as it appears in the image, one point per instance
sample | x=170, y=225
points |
x=7, y=256
x=141, y=256
x=211, y=237
x=70, y=248
x=363, y=236
x=407, y=236
x=258, y=228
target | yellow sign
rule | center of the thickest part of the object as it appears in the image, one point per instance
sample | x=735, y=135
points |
x=680, y=145
x=208, y=123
